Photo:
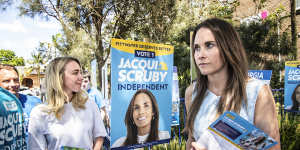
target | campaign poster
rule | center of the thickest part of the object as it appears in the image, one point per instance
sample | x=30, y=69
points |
x=292, y=86
x=141, y=93
x=264, y=75
x=175, y=98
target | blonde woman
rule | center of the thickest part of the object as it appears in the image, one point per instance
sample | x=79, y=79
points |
x=68, y=117
x=223, y=85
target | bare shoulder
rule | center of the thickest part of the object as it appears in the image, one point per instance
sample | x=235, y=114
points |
x=188, y=96
x=265, y=95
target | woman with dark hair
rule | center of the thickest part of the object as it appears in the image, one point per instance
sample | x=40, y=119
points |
x=295, y=99
x=223, y=85
x=141, y=120
x=68, y=118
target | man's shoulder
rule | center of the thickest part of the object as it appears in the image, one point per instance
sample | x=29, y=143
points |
x=94, y=89
x=29, y=98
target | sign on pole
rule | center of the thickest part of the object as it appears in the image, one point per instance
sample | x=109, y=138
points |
x=292, y=86
x=175, y=99
x=141, y=93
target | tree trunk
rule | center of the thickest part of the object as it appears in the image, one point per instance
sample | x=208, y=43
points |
x=293, y=28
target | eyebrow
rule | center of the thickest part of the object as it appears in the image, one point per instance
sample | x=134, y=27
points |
x=76, y=70
x=205, y=42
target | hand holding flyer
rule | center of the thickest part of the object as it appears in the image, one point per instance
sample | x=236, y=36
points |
x=234, y=132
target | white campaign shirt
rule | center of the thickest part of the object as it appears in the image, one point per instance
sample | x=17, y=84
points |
x=77, y=128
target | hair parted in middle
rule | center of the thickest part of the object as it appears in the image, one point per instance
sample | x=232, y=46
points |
x=296, y=104
x=132, y=130
x=56, y=97
x=234, y=55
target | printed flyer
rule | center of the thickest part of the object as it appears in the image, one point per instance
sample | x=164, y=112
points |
x=264, y=75
x=292, y=86
x=70, y=148
x=234, y=132
x=141, y=93
x=175, y=99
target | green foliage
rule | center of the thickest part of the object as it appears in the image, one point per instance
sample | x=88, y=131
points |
x=289, y=131
x=175, y=144
x=103, y=19
x=80, y=46
x=151, y=19
x=9, y=57
x=266, y=48
x=182, y=61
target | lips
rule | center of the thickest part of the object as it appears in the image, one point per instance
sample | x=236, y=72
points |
x=202, y=64
x=141, y=118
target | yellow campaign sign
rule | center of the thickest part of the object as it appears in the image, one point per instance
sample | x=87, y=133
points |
x=130, y=46
x=292, y=63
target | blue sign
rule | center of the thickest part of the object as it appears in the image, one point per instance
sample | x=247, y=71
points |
x=292, y=86
x=264, y=75
x=175, y=98
x=141, y=76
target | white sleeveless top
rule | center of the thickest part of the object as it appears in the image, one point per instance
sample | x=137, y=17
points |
x=208, y=109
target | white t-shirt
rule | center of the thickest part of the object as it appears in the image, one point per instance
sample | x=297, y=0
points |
x=77, y=128
x=141, y=139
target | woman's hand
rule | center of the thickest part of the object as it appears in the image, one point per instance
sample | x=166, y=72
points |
x=196, y=146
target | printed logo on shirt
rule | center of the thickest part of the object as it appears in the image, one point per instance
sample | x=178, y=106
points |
x=10, y=106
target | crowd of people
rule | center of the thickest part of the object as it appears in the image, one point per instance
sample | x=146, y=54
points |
x=69, y=116
x=73, y=114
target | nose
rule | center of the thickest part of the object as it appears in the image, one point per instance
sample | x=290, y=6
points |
x=141, y=110
x=80, y=76
x=200, y=54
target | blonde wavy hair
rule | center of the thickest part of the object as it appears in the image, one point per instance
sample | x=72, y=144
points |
x=56, y=96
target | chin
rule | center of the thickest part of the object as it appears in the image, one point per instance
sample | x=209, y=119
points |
x=204, y=73
x=77, y=90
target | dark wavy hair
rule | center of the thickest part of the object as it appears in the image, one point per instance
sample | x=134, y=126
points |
x=132, y=131
x=294, y=100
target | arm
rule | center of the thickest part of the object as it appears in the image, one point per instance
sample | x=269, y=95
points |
x=36, y=139
x=98, y=143
x=265, y=116
x=187, y=101
x=99, y=131
x=188, y=97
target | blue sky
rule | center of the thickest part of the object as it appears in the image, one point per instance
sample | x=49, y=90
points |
x=23, y=34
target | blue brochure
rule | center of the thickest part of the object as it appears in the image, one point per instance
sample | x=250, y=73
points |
x=70, y=148
x=234, y=129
